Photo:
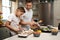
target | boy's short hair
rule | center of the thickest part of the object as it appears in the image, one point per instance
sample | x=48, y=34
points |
x=28, y=1
x=21, y=9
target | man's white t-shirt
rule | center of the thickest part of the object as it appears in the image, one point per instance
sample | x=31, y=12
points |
x=14, y=22
x=27, y=17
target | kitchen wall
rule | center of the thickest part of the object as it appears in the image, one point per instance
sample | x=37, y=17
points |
x=56, y=12
x=0, y=4
x=8, y=9
x=14, y=5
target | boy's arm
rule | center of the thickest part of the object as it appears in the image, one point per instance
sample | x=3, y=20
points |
x=10, y=27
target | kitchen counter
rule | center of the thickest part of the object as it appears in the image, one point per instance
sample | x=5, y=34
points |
x=43, y=36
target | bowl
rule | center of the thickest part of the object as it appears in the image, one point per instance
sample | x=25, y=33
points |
x=54, y=31
x=37, y=33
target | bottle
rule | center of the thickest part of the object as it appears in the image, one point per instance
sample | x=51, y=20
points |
x=59, y=26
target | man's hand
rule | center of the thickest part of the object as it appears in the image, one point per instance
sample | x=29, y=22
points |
x=32, y=23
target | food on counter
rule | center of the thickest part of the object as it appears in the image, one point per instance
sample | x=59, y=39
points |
x=28, y=32
x=54, y=31
x=24, y=34
x=37, y=33
x=46, y=29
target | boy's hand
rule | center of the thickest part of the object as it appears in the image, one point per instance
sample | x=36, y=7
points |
x=21, y=28
x=16, y=31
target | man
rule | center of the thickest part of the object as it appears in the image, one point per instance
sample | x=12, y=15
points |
x=14, y=19
x=27, y=17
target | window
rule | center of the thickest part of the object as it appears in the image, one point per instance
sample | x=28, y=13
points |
x=6, y=8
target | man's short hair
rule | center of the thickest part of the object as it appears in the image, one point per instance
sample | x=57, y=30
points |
x=21, y=9
x=28, y=1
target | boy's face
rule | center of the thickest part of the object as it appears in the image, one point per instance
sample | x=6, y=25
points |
x=19, y=13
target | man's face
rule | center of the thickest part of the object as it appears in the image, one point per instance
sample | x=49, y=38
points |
x=19, y=13
x=28, y=5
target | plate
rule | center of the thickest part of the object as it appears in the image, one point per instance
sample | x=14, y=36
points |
x=25, y=34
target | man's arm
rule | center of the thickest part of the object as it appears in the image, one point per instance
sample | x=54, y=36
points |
x=24, y=23
x=27, y=23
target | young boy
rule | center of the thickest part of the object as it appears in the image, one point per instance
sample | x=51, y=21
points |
x=14, y=19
